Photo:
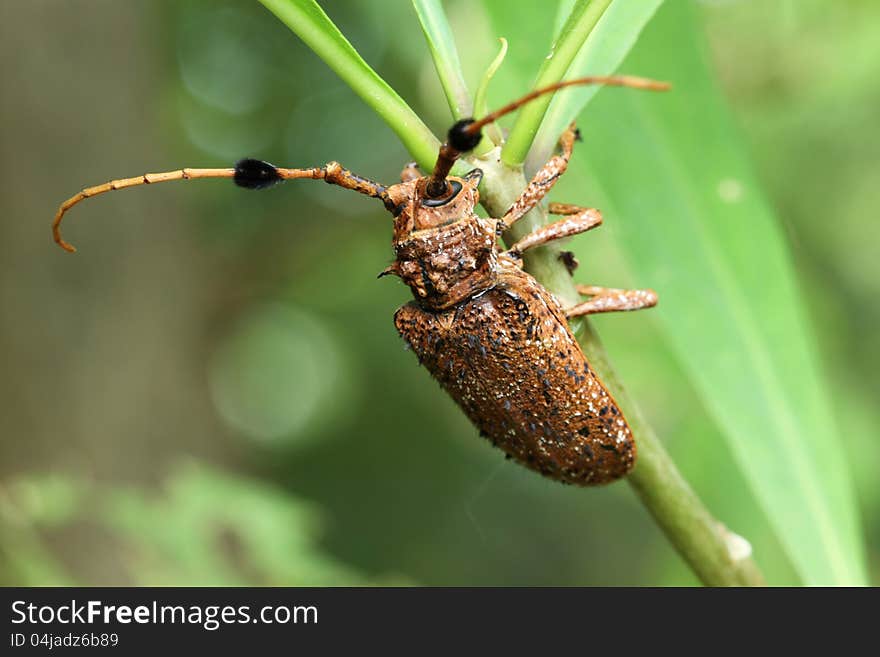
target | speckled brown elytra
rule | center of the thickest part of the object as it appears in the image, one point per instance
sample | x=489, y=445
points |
x=493, y=337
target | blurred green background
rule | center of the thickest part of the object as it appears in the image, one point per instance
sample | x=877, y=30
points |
x=212, y=391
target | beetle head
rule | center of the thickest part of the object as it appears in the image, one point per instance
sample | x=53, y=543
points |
x=419, y=210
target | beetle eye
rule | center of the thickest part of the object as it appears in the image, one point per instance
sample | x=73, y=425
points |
x=454, y=189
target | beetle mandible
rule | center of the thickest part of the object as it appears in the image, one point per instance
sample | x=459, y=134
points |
x=495, y=339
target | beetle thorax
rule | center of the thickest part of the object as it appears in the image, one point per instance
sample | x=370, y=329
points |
x=445, y=252
x=445, y=265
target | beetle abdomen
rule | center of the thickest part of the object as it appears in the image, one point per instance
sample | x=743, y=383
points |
x=511, y=363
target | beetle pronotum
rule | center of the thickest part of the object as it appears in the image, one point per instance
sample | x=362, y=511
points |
x=493, y=337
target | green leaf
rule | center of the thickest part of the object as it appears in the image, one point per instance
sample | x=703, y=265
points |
x=583, y=18
x=694, y=224
x=481, y=104
x=493, y=135
x=604, y=50
x=445, y=56
x=314, y=27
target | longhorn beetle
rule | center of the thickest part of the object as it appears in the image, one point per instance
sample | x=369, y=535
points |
x=493, y=337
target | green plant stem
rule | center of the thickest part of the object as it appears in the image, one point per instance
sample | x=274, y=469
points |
x=704, y=543
x=718, y=557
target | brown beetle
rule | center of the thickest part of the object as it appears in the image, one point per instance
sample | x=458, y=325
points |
x=493, y=337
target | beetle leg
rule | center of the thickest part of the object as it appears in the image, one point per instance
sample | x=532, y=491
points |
x=609, y=299
x=543, y=180
x=410, y=172
x=577, y=220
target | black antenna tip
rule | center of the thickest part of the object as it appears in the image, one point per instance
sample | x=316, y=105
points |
x=255, y=174
x=462, y=140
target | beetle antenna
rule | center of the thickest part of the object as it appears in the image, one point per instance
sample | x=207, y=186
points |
x=247, y=173
x=466, y=133
x=123, y=183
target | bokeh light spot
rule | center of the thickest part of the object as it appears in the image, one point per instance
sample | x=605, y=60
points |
x=275, y=378
x=221, y=61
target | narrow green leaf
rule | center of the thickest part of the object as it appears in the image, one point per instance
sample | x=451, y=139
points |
x=601, y=54
x=493, y=136
x=314, y=27
x=481, y=104
x=584, y=17
x=445, y=56
x=695, y=226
